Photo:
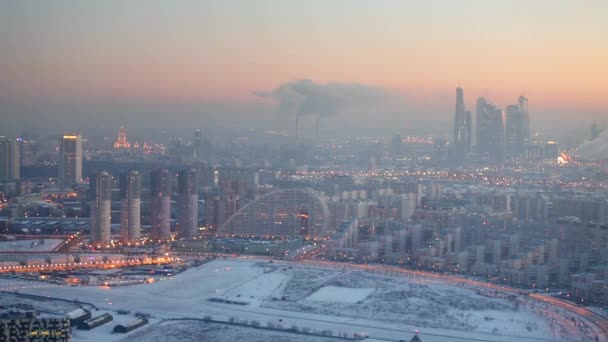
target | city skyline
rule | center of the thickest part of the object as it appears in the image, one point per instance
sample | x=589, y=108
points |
x=303, y=170
x=157, y=61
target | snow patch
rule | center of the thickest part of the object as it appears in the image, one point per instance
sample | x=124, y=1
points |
x=340, y=294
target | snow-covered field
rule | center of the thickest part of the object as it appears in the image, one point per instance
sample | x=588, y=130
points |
x=422, y=303
x=288, y=294
x=33, y=245
x=180, y=331
x=334, y=294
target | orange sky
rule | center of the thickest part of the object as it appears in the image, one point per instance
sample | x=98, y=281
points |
x=553, y=51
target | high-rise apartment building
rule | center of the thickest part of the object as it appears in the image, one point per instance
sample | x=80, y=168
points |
x=10, y=166
x=70, y=160
x=100, y=196
x=160, y=192
x=130, y=206
x=187, y=219
x=490, y=131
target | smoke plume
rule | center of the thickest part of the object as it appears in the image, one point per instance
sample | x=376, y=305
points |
x=596, y=149
x=307, y=98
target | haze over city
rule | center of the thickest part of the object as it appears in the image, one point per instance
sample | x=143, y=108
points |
x=151, y=65
x=303, y=171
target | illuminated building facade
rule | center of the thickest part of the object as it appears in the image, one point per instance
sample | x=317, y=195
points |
x=187, y=220
x=130, y=206
x=101, y=207
x=27, y=326
x=70, y=159
x=121, y=141
x=160, y=191
x=9, y=159
x=286, y=212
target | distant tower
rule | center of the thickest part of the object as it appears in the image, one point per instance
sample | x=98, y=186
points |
x=121, y=141
x=518, y=128
x=130, y=206
x=490, y=131
x=462, y=127
x=297, y=127
x=196, y=144
x=160, y=191
x=70, y=160
x=100, y=196
x=187, y=203
x=469, y=127
x=595, y=131
x=525, y=128
x=10, y=165
x=396, y=146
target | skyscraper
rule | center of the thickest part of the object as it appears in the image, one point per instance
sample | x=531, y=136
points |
x=462, y=128
x=130, y=206
x=490, y=131
x=10, y=165
x=518, y=127
x=70, y=160
x=160, y=191
x=595, y=131
x=100, y=196
x=396, y=146
x=196, y=144
x=187, y=219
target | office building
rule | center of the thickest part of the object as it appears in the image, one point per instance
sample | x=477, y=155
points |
x=160, y=191
x=130, y=206
x=517, y=128
x=462, y=128
x=490, y=131
x=187, y=219
x=100, y=193
x=70, y=160
x=10, y=166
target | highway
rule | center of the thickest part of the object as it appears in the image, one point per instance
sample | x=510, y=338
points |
x=89, y=264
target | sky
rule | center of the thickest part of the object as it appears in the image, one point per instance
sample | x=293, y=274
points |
x=152, y=65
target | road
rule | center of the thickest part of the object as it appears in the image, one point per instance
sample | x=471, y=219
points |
x=89, y=264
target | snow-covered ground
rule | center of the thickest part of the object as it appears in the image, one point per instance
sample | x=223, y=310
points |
x=179, y=331
x=288, y=294
x=257, y=289
x=419, y=302
x=33, y=245
x=334, y=294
